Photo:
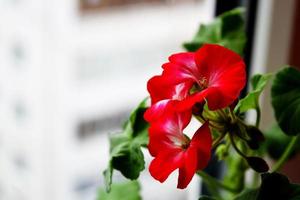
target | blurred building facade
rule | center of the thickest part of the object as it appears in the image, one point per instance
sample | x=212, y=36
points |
x=70, y=72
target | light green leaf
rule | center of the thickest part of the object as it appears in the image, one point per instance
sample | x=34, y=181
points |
x=251, y=101
x=285, y=95
x=125, y=148
x=248, y=194
x=122, y=191
x=227, y=30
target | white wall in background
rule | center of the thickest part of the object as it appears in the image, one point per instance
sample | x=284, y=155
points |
x=62, y=73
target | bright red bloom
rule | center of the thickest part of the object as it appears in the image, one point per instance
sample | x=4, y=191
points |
x=214, y=73
x=174, y=150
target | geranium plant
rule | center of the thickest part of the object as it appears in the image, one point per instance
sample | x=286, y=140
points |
x=206, y=83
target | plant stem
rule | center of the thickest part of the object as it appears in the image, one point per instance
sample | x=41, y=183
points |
x=215, y=182
x=233, y=117
x=222, y=113
x=256, y=177
x=278, y=165
x=258, y=116
x=218, y=140
x=235, y=147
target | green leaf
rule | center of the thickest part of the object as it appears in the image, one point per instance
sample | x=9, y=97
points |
x=285, y=95
x=125, y=191
x=125, y=148
x=227, y=30
x=248, y=194
x=129, y=160
x=273, y=186
x=235, y=173
x=295, y=192
x=108, y=177
x=221, y=151
x=206, y=198
x=136, y=127
x=276, y=142
x=251, y=101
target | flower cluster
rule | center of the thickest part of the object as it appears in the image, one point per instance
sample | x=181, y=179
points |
x=213, y=75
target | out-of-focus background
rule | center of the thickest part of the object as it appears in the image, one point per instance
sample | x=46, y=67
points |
x=72, y=70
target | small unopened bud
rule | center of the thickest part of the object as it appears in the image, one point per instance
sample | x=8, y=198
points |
x=255, y=134
x=258, y=164
x=253, y=144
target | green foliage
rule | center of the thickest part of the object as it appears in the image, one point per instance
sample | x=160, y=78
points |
x=125, y=148
x=227, y=30
x=206, y=198
x=125, y=191
x=276, y=142
x=108, y=176
x=273, y=186
x=235, y=172
x=221, y=151
x=128, y=158
x=295, y=192
x=285, y=95
x=251, y=101
x=248, y=194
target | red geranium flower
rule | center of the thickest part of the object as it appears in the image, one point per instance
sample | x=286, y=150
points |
x=214, y=73
x=174, y=150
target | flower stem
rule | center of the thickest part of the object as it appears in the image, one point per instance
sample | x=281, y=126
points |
x=222, y=113
x=211, y=181
x=233, y=117
x=258, y=116
x=278, y=165
x=235, y=147
x=218, y=141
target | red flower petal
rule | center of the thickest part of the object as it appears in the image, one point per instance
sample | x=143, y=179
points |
x=160, y=89
x=165, y=163
x=182, y=67
x=223, y=69
x=157, y=110
x=166, y=131
x=166, y=144
x=191, y=100
x=202, y=141
x=184, y=59
x=188, y=169
x=196, y=156
x=158, y=140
